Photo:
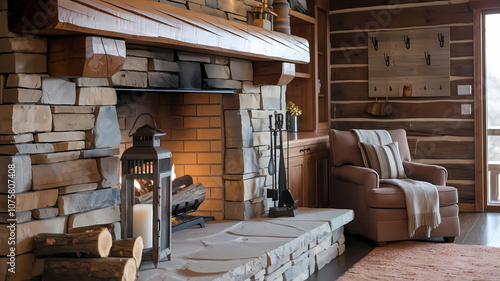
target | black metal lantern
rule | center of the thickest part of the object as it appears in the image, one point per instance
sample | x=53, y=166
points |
x=147, y=161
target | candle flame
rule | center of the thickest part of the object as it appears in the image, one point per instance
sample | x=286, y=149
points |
x=173, y=176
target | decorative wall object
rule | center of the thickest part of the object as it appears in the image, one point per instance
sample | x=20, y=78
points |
x=410, y=63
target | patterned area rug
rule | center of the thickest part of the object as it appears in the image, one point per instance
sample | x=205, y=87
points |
x=427, y=261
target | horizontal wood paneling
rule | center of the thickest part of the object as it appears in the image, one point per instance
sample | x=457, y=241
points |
x=351, y=73
x=349, y=91
x=444, y=150
x=462, y=68
x=359, y=56
x=461, y=33
x=461, y=50
x=356, y=91
x=437, y=132
x=420, y=16
x=360, y=38
x=459, y=171
x=413, y=128
x=339, y=5
x=400, y=110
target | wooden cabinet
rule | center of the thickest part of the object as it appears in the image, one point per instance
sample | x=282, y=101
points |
x=308, y=168
x=310, y=89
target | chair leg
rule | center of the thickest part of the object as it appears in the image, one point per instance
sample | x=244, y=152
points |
x=380, y=244
x=449, y=239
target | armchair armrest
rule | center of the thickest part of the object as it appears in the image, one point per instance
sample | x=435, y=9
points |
x=434, y=174
x=361, y=176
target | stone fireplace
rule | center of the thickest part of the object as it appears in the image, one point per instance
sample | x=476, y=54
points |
x=67, y=104
x=217, y=133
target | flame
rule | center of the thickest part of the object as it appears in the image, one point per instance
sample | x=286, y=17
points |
x=137, y=185
x=173, y=176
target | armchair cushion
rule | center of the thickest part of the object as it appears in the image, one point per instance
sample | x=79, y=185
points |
x=391, y=197
x=384, y=159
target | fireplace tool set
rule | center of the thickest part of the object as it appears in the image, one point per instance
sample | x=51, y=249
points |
x=284, y=204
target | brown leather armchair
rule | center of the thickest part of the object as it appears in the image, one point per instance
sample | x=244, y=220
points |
x=379, y=209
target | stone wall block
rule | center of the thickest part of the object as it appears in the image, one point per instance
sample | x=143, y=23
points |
x=238, y=129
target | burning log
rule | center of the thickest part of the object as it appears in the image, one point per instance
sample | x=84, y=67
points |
x=110, y=269
x=188, y=199
x=86, y=244
x=185, y=201
x=181, y=182
x=131, y=248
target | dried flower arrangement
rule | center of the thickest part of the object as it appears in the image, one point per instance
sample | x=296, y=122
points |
x=293, y=109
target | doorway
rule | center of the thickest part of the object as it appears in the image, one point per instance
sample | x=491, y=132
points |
x=492, y=106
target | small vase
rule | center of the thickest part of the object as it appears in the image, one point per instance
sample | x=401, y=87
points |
x=292, y=123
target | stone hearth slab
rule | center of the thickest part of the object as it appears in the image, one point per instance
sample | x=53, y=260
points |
x=238, y=250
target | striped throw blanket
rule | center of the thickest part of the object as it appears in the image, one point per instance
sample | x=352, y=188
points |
x=373, y=137
x=422, y=198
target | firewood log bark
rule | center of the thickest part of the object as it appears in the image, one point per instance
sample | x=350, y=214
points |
x=91, y=228
x=186, y=198
x=96, y=269
x=189, y=195
x=131, y=248
x=95, y=244
x=181, y=182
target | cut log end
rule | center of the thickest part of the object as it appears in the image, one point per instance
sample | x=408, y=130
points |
x=105, y=242
x=131, y=247
x=130, y=270
x=138, y=247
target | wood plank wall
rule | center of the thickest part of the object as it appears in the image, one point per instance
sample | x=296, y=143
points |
x=437, y=131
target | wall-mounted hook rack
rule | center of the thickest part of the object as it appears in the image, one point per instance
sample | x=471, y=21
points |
x=375, y=43
x=441, y=39
x=407, y=41
x=427, y=58
x=406, y=73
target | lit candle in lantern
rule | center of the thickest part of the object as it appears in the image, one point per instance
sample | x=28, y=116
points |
x=143, y=223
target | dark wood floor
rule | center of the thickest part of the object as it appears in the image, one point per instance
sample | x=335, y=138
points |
x=475, y=229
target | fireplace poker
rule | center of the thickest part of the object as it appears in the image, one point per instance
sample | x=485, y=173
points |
x=282, y=172
x=271, y=168
x=272, y=193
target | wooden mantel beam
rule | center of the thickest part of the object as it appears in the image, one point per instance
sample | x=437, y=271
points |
x=155, y=23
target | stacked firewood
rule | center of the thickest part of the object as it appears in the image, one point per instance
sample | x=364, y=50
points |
x=92, y=254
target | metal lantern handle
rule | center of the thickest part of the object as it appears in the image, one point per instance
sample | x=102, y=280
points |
x=136, y=119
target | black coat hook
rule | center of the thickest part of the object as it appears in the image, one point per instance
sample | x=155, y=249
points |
x=375, y=43
x=375, y=89
x=441, y=39
x=407, y=41
x=386, y=58
x=427, y=58
x=425, y=87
